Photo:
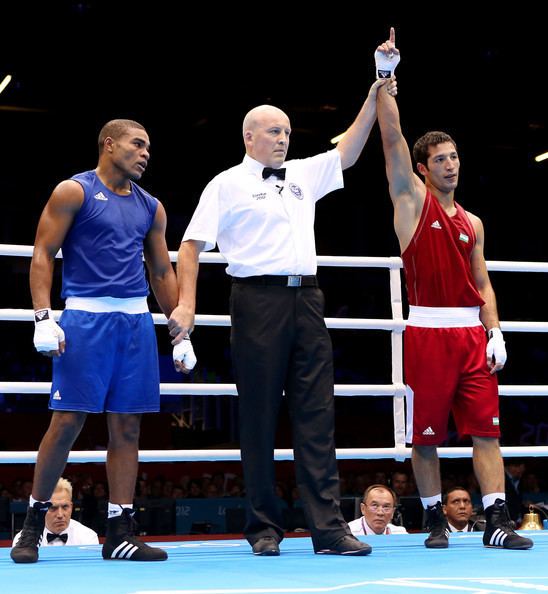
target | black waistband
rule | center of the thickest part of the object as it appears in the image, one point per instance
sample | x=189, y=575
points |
x=294, y=280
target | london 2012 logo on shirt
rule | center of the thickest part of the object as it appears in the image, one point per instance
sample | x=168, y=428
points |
x=296, y=191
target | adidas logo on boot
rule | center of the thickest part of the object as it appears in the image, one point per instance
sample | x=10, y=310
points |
x=122, y=544
x=499, y=532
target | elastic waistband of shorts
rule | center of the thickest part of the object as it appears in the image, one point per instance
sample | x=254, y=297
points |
x=129, y=305
x=443, y=317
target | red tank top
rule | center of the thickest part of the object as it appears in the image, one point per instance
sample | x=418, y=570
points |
x=437, y=260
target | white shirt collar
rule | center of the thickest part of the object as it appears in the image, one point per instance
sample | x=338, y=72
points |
x=368, y=530
x=256, y=167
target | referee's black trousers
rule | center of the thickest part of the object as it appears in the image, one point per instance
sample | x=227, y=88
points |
x=280, y=342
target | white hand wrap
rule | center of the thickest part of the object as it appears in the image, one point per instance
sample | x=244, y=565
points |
x=185, y=353
x=386, y=64
x=495, y=346
x=48, y=335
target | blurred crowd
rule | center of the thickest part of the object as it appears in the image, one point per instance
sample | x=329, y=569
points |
x=524, y=486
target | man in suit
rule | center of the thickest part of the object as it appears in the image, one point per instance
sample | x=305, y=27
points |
x=457, y=507
x=513, y=471
x=60, y=528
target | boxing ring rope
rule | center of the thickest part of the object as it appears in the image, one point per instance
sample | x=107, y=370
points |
x=395, y=326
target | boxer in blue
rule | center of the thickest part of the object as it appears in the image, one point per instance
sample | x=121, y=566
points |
x=104, y=223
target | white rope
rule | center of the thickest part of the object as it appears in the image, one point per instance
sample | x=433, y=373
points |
x=27, y=315
x=217, y=258
x=395, y=325
x=336, y=261
x=279, y=455
x=505, y=266
x=209, y=389
x=213, y=389
x=7, y=249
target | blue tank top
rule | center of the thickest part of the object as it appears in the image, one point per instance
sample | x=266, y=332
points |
x=103, y=250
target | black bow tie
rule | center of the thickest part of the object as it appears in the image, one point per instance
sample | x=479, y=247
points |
x=52, y=537
x=279, y=173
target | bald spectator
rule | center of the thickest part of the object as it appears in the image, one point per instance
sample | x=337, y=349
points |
x=60, y=529
x=377, y=507
x=457, y=507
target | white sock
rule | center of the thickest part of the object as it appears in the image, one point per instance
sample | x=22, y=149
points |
x=116, y=509
x=430, y=501
x=489, y=500
x=32, y=501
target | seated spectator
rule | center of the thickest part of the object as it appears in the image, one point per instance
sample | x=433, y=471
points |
x=219, y=479
x=177, y=493
x=16, y=489
x=344, y=487
x=380, y=478
x=157, y=489
x=530, y=483
x=194, y=489
x=363, y=480
x=60, y=529
x=412, y=486
x=142, y=489
x=205, y=482
x=235, y=491
x=184, y=483
x=399, y=482
x=94, y=506
x=513, y=471
x=100, y=492
x=167, y=491
x=377, y=507
x=296, y=500
x=212, y=492
x=531, y=491
x=457, y=507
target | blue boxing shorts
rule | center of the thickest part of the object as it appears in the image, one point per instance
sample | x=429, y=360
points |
x=110, y=364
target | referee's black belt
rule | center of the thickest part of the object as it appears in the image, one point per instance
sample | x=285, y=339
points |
x=292, y=280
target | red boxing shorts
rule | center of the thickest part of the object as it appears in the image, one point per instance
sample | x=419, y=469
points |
x=446, y=370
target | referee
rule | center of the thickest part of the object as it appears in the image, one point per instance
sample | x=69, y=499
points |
x=261, y=215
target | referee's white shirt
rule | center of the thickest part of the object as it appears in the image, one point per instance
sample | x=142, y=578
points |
x=265, y=226
x=78, y=534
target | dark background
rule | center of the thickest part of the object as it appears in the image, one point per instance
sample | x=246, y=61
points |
x=190, y=74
